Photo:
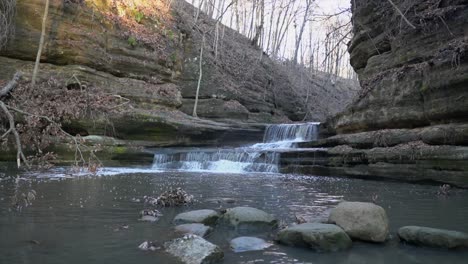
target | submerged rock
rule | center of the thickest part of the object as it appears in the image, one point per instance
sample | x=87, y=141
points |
x=195, y=229
x=433, y=237
x=243, y=244
x=316, y=236
x=192, y=249
x=248, y=218
x=363, y=221
x=149, y=215
x=149, y=246
x=204, y=216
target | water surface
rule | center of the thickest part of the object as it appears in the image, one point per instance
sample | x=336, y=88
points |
x=82, y=219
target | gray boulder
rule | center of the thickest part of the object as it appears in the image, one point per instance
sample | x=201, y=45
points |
x=432, y=237
x=248, y=218
x=243, y=244
x=363, y=221
x=206, y=216
x=319, y=237
x=192, y=249
x=195, y=229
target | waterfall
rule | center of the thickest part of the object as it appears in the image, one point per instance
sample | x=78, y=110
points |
x=260, y=157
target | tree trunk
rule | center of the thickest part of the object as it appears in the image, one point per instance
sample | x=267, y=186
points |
x=199, y=77
x=41, y=43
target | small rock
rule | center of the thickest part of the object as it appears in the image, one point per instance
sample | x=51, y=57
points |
x=192, y=249
x=150, y=215
x=206, y=216
x=34, y=242
x=195, y=229
x=363, y=221
x=248, y=218
x=228, y=200
x=432, y=237
x=319, y=237
x=149, y=246
x=243, y=244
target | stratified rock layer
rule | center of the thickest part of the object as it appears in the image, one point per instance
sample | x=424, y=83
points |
x=409, y=77
x=410, y=119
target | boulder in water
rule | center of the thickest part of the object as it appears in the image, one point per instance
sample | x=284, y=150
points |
x=316, y=236
x=243, y=244
x=432, y=237
x=205, y=216
x=248, y=218
x=194, y=229
x=363, y=221
x=192, y=249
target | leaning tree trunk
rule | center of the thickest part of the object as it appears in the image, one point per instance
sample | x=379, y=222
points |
x=41, y=43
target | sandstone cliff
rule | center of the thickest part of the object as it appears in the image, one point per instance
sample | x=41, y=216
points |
x=148, y=53
x=410, y=120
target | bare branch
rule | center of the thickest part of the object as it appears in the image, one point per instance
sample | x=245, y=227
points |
x=19, y=150
x=11, y=85
x=401, y=14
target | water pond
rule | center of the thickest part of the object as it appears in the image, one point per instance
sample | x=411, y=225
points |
x=94, y=219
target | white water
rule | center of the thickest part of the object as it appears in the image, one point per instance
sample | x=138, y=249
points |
x=260, y=157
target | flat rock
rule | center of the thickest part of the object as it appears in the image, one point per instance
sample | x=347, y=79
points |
x=243, y=244
x=433, y=237
x=206, y=216
x=248, y=218
x=192, y=249
x=363, y=221
x=316, y=236
x=195, y=229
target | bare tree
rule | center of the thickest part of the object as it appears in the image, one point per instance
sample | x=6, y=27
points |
x=308, y=8
x=7, y=16
x=195, y=105
x=41, y=43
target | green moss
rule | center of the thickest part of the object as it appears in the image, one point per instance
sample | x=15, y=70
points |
x=132, y=41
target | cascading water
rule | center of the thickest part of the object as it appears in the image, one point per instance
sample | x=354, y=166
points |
x=260, y=157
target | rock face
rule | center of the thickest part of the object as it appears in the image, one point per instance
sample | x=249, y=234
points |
x=194, y=229
x=410, y=77
x=248, y=218
x=363, y=221
x=432, y=237
x=205, y=216
x=409, y=121
x=319, y=237
x=155, y=69
x=192, y=249
x=243, y=244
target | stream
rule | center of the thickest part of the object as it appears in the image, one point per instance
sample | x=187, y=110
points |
x=94, y=218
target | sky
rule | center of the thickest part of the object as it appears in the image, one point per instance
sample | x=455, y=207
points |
x=331, y=6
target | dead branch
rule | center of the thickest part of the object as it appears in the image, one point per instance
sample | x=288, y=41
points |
x=401, y=14
x=12, y=129
x=11, y=85
x=78, y=145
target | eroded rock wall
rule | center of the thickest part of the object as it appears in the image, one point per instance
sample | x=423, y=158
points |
x=410, y=77
x=410, y=119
